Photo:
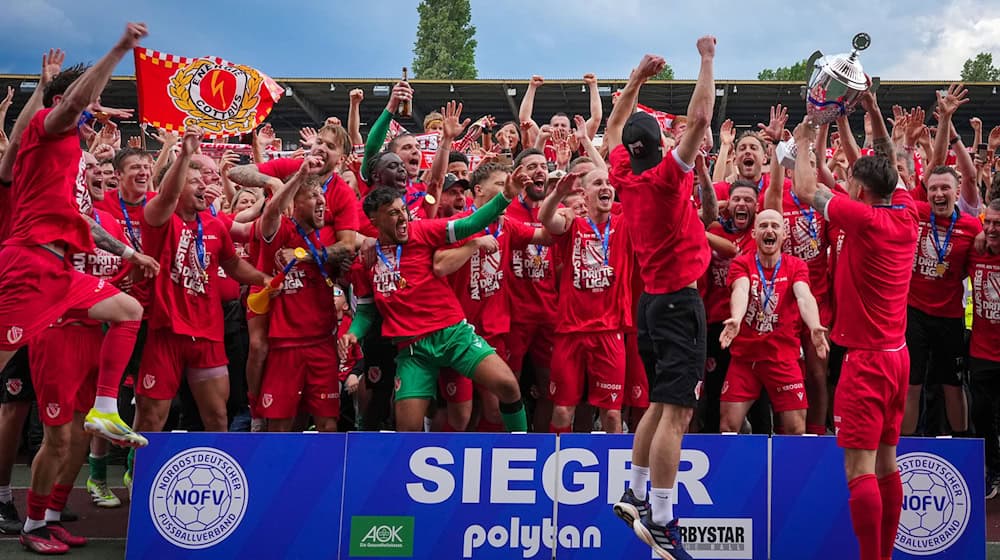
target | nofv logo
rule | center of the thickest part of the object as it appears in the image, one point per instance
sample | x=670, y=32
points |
x=935, y=504
x=382, y=536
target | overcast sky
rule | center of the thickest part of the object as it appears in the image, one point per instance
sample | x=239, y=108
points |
x=912, y=40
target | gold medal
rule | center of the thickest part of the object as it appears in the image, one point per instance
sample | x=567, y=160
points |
x=813, y=244
x=537, y=260
x=401, y=283
x=940, y=269
x=329, y=283
x=430, y=199
x=300, y=253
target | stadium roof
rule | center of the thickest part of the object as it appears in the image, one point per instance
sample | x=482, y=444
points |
x=745, y=102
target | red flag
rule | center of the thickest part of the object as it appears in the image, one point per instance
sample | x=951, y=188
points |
x=666, y=120
x=223, y=98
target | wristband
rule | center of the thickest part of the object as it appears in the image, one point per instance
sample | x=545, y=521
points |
x=953, y=140
x=128, y=253
x=488, y=130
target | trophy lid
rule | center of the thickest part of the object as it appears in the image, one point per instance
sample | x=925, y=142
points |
x=846, y=68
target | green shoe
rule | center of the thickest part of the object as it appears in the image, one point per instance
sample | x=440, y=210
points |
x=102, y=495
x=111, y=427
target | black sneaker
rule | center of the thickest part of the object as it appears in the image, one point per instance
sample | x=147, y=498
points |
x=630, y=508
x=665, y=541
x=68, y=516
x=10, y=521
x=992, y=485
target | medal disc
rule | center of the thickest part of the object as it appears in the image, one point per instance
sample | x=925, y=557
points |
x=940, y=269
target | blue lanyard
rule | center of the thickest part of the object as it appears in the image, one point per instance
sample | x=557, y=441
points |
x=496, y=233
x=412, y=199
x=320, y=260
x=605, y=239
x=810, y=216
x=199, y=245
x=531, y=214
x=128, y=223
x=942, y=250
x=97, y=217
x=211, y=208
x=326, y=184
x=385, y=260
x=768, y=289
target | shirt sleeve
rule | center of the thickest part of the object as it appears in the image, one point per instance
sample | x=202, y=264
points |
x=849, y=215
x=520, y=234
x=738, y=269
x=800, y=273
x=227, y=251
x=619, y=166
x=341, y=206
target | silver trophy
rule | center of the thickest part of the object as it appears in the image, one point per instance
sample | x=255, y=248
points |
x=834, y=89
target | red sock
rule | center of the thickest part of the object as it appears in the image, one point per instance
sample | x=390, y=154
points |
x=866, y=514
x=487, y=427
x=116, y=350
x=818, y=429
x=891, y=489
x=556, y=430
x=36, y=505
x=58, y=497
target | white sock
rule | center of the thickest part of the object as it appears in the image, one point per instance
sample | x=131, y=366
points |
x=5, y=494
x=640, y=476
x=52, y=515
x=32, y=524
x=662, y=505
x=106, y=404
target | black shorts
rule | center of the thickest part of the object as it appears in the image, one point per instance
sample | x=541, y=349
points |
x=672, y=342
x=15, y=379
x=937, y=348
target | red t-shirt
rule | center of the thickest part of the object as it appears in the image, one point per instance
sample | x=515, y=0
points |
x=185, y=299
x=414, y=203
x=873, y=271
x=595, y=296
x=101, y=263
x=533, y=274
x=47, y=190
x=984, y=270
x=771, y=328
x=717, y=290
x=482, y=282
x=5, y=217
x=229, y=289
x=132, y=228
x=806, y=237
x=303, y=313
x=426, y=303
x=937, y=288
x=668, y=236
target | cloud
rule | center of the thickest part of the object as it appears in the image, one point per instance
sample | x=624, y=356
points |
x=942, y=42
x=26, y=17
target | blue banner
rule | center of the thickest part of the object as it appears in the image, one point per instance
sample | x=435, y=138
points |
x=720, y=497
x=211, y=495
x=944, y=507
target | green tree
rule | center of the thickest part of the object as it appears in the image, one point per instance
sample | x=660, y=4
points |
x=445, y=48
x=980, y=69
x=794, y=73
x=666, y=74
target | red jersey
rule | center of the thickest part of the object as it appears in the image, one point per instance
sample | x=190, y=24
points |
x=937, y=287
x=304, y=311
x=595, y=287
x=984, y=270
x=668, y=236
x=481, y=284
x=806, y=238
x=101, y=263
x=717, y=291
x=5, y=218
x=414, y=200
x=533, y=274
x=186, y=296
x=341, y=204
x=772, y=324
x=131, y=220
x=873, y=271
x=229, y=289
x=48, y=190
x=410, y=298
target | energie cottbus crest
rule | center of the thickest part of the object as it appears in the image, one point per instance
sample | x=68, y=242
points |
x=222, y=98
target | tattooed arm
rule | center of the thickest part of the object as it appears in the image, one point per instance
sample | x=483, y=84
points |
x=109, y=243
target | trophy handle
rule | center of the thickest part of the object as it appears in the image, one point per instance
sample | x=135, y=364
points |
x=875, y=81
x=811, y=63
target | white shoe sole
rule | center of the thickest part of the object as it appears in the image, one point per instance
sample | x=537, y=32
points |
x=643, y=533
x=121, y=441
x=626, y=512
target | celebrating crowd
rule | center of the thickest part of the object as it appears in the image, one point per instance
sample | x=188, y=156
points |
x=529, y=277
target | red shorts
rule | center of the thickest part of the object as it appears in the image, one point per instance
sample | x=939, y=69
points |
x=636, y=381
x=782, y=379
x=534, y=339
x=64, y=363
x=457, y=388
x=301, y=377
x=597, y=359
x=871, y=395
x=36, y=288
x=168, y=355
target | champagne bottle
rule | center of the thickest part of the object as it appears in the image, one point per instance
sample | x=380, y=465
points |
x=405, y=108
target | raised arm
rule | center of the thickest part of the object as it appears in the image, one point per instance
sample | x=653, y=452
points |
x=528, y=101
x=51, y=66
x=596, y=107
x=161, y=206
x=948, y=104
x=649, y=66
x=881, y=141
x=354, y=116
x=376, y=135
x=448, y=261
x=701, y=105
x=727, y=138
x=847, y=141
x=804, y=184
x=88, y=87
x=709, y=203
x=582, y=136
x=452, y=127
x=168, y=139
x=555, y=221
x=270, y=220
x=249, y=176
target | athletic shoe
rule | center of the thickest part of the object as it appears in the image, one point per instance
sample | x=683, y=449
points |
x=111, y=427
x=101, y=494
x=68, y=516
x=41, y=541
x=60, y=533
x=665, y=541
x=10, y=521
x=258, y=425
x=992, y=485
x=630, y=508
x=127, y=482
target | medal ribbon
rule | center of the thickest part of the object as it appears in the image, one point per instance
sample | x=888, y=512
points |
x=767, y=288
x=531, y=212
x=810, y=216
x=605, y=239
x=942, y=250
x=385, y=260
x=199, y=245
x=319, y=259
x=326, y=184
x=128, y=223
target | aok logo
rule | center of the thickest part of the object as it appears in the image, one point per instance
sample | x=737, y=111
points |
x=382, y=536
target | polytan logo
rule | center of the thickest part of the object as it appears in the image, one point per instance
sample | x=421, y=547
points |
x=198, y=498
x=382, y=536
x=14, y=334
x=935, y=504
x=148, y=381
